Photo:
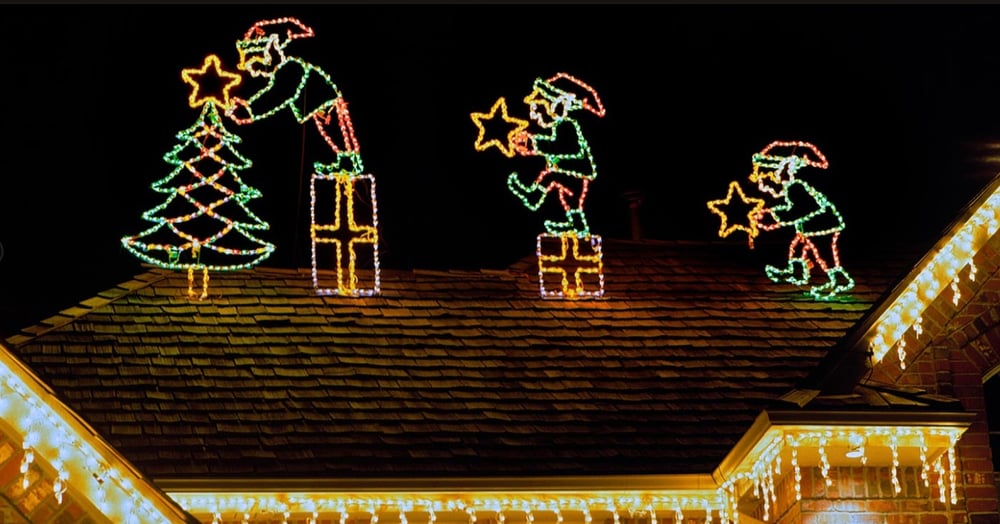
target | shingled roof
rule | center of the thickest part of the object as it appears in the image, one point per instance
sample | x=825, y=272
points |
x=457, y=373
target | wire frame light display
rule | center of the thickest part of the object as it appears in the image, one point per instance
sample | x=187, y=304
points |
x=553, y=105
x=205, y=222
x=787, y=201
x=264, y=53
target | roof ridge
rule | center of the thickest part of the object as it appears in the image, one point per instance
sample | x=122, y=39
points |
x=103, y=298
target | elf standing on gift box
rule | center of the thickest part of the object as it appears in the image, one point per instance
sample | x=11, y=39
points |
x=569, y=165
x=262, y=54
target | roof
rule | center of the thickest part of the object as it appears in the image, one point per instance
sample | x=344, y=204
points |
x=458, y=373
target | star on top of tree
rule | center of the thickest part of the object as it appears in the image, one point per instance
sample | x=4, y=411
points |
x=519, y=126
x=195, y=77
x=719, y=207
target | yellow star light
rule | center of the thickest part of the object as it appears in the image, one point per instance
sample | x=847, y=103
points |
x=717, y=207
x=194, y=76
x=519, y=126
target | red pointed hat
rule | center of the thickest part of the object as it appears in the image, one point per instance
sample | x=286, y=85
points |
x=563, y=84
x=290, y=28
x=778, y=151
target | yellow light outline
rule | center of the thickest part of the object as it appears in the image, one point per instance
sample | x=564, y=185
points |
x=519, y=126
x=724, y=229
x=192, y=77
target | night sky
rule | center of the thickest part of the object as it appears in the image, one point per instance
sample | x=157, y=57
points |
x=904, y=100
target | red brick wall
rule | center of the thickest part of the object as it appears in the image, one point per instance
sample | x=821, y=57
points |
x=862, y=496
x=959, y=347
x=37, y=503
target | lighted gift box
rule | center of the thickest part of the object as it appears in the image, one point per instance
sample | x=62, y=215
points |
x=344, y=234
x=570, y=266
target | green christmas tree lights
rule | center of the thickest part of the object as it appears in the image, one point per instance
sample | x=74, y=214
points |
x=204, y=223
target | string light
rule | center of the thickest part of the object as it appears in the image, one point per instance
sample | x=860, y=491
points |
x=799, y=205
x=942, y=269
x=795, y=468
x=519, y=126
x=193, y=77
x=952, y=467
x=186, y=228
x=759, y=473
x=719, y=207
x=551, y=103
x=262, y=54
x=45, y=435
x=942, y=479
x=266, y=40
x=563, y=260
x=345, y=228
x=925, y=467
x=813, y=217
x=259, y=506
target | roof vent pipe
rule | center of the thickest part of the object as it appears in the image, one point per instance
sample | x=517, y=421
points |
x=634, y=199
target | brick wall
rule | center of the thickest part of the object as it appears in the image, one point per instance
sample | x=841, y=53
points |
x=959, y=347
x=859, y=495
x=37, y=503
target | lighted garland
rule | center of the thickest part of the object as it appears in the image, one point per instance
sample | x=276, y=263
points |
x=943, y=269
x=263, y=54
x=310, y=507
x=45, y=434
x=761, y=474
x=552, y=105
x=193, y=229
x=795, y=204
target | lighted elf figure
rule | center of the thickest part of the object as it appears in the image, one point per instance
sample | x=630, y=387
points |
x=816, y=221
x=569, y=164
x=204, y=224
x=262, y=55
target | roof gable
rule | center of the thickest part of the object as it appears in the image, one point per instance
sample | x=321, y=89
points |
x=61, y=458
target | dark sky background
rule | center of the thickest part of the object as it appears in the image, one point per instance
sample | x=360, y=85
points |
x=904, y=100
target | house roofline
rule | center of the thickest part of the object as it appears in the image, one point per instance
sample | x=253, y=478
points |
x=848, y=361
x=446, y=485
x=752, y=439
x=88, y=436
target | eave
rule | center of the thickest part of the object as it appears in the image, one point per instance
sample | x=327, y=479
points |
x=60, y=439
x=939, y=271
x=923, y=437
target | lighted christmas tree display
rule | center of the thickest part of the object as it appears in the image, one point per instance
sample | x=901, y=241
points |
x=568, y=171
x=798, y=205
x=204, y=223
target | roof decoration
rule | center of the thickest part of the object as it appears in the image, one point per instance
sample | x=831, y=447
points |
x=264, y=54
x=788, y=201
x=205, y=222
x=552, y=105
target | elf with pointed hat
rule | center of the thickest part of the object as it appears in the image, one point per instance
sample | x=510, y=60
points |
x=816, y=221
x=262, y=54
x=569, y=164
